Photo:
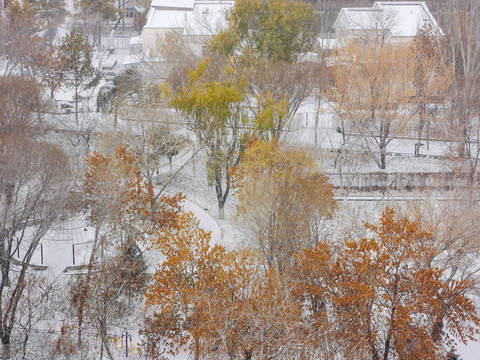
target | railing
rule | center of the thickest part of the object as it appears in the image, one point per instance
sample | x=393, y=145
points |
x=399, y=181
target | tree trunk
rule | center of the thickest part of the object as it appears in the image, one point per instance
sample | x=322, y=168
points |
x=84, y=295
x=221, y=211
x=383, y=158
x=24, y=347
x=76, y=102
x=421, y=125
x=197, y=349
x=6, y=349
x=221, y=197
x=316, y=121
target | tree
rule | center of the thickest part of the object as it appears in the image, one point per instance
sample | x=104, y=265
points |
x=125, y=85
x=176, y=293
x=211, y=101
x=106, y=8
x=114, y=282
x=77, y=55
x=279, y=30
x=276, y=91
x=431, y=78
x=150, y=132
x=50, y=67
x=387, y=298
x=457, y=232
x=372, y=92
x=282, y=199
x=121, y=207
x=34, y=188
x=461, y=48
x=264, y=42
x=217, y=302
x=20, y=104
x=34, y=306
x=19, y=40
x=154, y=145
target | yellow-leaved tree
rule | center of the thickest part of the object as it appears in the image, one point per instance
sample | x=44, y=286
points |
x=265, y=41
x=211, y=101
x=283, y=197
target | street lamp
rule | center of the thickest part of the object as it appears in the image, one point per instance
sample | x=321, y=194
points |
x=127, y=336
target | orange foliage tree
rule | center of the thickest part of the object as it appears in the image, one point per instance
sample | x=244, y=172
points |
x=118, y=196
x=283, y=197
x=189, y=289
x=388, y=300
x=122, y=208
x=217, y=303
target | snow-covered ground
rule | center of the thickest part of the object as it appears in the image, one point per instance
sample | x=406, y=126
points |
x=68, y=244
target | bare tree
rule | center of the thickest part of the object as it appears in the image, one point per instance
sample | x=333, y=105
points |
x=34, y=307
x=462, y=50
x=369, y=27
x=19, y=42
x=34, y=183
x=454, y=221
x=20, y=104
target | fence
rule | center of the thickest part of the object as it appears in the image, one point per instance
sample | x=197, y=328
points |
x=116, y=41
x=399, y=181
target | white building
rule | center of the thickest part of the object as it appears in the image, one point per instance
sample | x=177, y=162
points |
x=394, y=22
x=194, y=20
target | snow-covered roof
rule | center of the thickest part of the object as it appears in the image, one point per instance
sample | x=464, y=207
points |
x=194, y=17
x=179, y=4
x=166, y=19
x=402, y=18
x=412, y=16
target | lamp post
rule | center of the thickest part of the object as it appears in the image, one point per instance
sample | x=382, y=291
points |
x=127, y=336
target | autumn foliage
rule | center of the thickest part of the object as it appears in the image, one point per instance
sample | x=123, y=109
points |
x=117, y=194
x=378, y=297
x=217, y=303
x=282, y=199
x=388, y=300
x=123, y=209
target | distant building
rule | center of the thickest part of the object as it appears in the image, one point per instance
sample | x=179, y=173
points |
x=393, y=22
x=194, y=20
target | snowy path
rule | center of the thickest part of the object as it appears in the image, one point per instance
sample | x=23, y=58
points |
x=205, y=220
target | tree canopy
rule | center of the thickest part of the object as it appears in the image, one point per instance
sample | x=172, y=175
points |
x=279, y=30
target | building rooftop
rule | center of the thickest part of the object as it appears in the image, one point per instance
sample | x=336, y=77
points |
x=192, y=17
x=402, y=18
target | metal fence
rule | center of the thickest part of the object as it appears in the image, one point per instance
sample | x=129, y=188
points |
x=399, y=181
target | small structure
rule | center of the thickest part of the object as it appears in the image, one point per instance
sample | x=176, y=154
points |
x=394, y=22
x=194, y=20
